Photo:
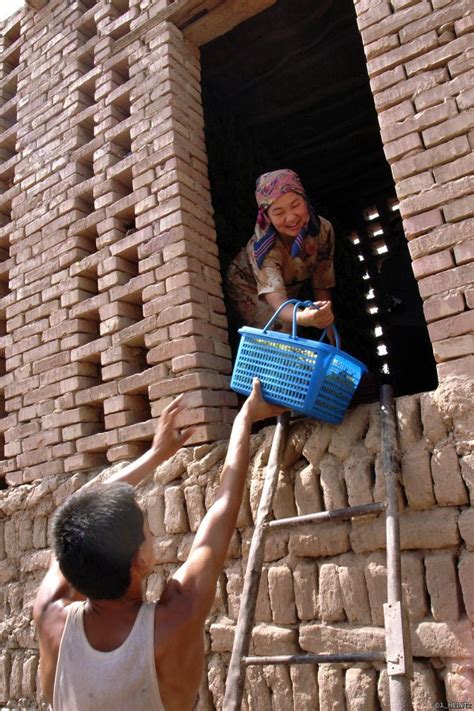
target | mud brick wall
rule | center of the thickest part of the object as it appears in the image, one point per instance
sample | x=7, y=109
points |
x=111, y=298
x=421, y=68
x=323, y=586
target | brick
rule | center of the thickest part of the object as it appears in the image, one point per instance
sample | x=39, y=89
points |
x=381, y=45
x=361, y=688
x=307, y=492
x=387, y=79
x=374, y=14
x=328, y=539
x=46, y=469
x=280, y=587
x=416, y=225
x=465, y=100
x=402, y=147
x=449, y=487
x=402, y=55
x=419, y=121
x=466, y=24
x=129, y=451
x=449, y=129
x=427, y=529
x=331, y=608
x=433, y=263
x=393, y=23
x=446, y=305
x=331, y=478
x=469, y=295
x=205, y=361
x=439, y=93
x=453, y=326
x=358, y=476
x=175, y=511
x=416, y=476
x=439, y=155
x=92, y=350
x=354, y=591
x=435, y=20
x=457, y=366
x=174, y=386
x=191, y=344
x=456, y=169
x=438, y=57
x=84, y=461
x=459, y=209
x=466, y=577
x=464, y=253
x=195, y=327
x=453, y=348
x=334, y=638
x=466, y=527
x=441, y=238
x=305, y=579
x=445, y=281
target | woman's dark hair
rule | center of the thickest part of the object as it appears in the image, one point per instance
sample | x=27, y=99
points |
x=96, y=534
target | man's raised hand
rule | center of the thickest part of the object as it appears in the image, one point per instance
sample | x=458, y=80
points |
x=168, y=436
x=257, y=407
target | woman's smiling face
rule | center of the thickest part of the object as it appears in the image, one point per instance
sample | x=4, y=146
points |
x=289, y=214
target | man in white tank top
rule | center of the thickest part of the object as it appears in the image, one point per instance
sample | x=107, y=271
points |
x=101, y=647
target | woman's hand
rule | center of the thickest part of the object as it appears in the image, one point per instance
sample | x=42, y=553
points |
x=320, y=315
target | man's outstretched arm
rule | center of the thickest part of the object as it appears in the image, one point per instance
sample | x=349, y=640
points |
x=197, y=578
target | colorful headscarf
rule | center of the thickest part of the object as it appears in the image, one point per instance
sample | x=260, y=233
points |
x=271, y=186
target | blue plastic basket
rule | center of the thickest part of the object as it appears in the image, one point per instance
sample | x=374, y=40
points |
x=310, y=377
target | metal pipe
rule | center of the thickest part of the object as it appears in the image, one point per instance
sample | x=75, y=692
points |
x=397, y=632
x=236, y=675
x=342, y=658
x=321, y=516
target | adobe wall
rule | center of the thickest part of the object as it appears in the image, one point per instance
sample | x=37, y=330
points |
x=322, y=586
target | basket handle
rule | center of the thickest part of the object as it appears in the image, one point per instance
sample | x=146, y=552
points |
x=299, y=305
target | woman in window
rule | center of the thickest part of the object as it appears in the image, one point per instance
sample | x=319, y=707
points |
x=290, y=255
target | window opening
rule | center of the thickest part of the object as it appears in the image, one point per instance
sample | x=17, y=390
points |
x=311, y=109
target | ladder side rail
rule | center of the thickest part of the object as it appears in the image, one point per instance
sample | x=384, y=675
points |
x=236, y=673
x=397, y=631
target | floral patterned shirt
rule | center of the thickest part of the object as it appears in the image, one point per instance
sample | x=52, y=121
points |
x=280, y=273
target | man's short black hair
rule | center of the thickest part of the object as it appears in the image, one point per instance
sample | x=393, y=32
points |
x=96, y=534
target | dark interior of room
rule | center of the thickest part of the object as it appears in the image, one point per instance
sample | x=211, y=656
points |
x=289, y=89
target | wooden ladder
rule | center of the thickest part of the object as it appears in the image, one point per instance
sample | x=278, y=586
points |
x=397, y=653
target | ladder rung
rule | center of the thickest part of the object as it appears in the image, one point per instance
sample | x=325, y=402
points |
x=316, y=658
x=335, y=514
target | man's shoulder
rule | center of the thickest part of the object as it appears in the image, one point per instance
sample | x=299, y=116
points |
x=52, y=619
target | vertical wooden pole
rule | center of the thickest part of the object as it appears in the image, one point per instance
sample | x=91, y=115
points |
x=397, y=631
x=236, y=675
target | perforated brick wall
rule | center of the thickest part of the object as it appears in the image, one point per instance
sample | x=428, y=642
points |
x=112, y=300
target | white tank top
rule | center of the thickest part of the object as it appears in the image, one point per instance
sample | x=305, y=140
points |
x=121, y=680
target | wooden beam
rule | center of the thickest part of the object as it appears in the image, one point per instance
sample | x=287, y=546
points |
x=223, y=18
